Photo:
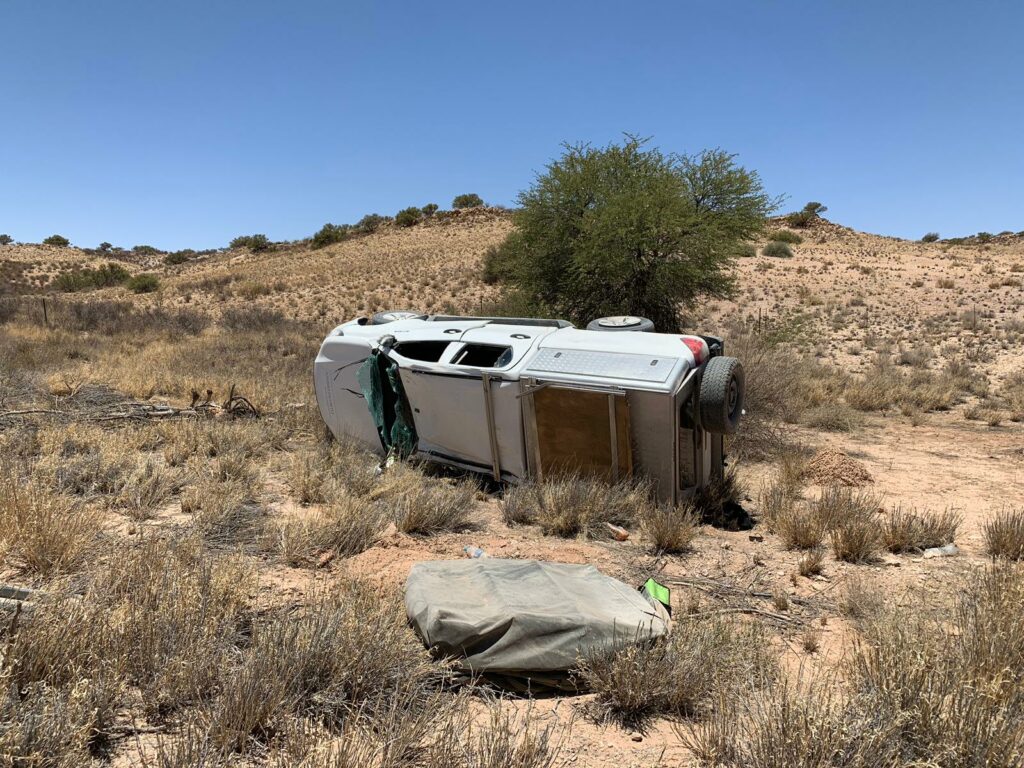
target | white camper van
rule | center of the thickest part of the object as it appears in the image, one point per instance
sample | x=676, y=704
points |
x=519, y=398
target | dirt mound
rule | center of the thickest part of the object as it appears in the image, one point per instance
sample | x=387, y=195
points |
x=832, y=467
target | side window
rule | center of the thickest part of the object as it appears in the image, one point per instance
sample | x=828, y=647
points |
x=425, y=351
x=484, y=356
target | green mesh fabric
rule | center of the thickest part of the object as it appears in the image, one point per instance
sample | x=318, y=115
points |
x=382, y=387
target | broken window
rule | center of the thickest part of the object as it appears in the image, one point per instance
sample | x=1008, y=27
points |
x=484, y=356
x=425, y=351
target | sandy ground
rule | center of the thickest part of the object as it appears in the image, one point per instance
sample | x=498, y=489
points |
x=863, y=293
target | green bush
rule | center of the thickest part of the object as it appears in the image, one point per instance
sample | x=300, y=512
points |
x=145, y=250
x=470, y=200
x=429, y=209
x=255, y=243
x=407, y=217
x=800, y=219
x=104, y=276
x=179, y=257
x=144, y=283
x=370, y=222
x=746, y=250
x=777, y=250
x=58, y=240
x=815, y=209
x=983, y=237
x=629, y=230
x=6, y=239
x=105, y=247
x=930, y=237
x=330, y=233
x=785, y=236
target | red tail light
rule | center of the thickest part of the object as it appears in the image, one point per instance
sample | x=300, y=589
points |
x=698, y=347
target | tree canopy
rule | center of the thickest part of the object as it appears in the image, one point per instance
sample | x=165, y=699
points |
x=629, y=230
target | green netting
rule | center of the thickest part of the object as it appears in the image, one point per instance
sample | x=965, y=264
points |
x=382, y=387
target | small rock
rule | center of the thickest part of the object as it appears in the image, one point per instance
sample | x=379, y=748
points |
x=636, y=737
x=755, y=537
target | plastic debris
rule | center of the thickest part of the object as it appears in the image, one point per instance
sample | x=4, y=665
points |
x=475, y=552
x=947, y=551
x=619, y=534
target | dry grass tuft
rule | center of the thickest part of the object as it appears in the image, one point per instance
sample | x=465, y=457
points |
x=671, y=529
x=679, y=675
x=578, y=506
x=345, y=527
x=810, y=563
x=912, y=531
x=425, y=505
x=43, y=532
x=1004, y=535
x=921, y=689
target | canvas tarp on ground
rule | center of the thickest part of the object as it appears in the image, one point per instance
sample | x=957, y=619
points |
x=516, y=617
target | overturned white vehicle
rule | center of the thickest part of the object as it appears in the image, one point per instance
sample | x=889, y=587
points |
x=520, y=398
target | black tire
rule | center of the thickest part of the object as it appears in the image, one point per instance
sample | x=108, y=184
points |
x=389, y=316
x=621, y=323
x=722, y=388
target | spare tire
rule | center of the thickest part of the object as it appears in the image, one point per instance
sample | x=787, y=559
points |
x=389, y=316
x=621, y=323
x=722, y=388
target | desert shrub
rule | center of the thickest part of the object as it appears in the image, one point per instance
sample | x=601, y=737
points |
x=345, y=526
x=856, y=539
x=347, y=654
x=578, y=506
x=718, y=502
x=983, y=237
x=254, y=243
x=143, y=283
x=799, y=527
x=837, y=504
x=832, y=417
x=496, y=268
x=224, y=502
x=430, y=209
x=679, y=675
x=930, y=237
x=6, y=239
x=666, y=226
x=799, y=219
x=746, y=250
x=911, y=531
x=922, y=689
x=146, y=489
x=329, y=234
x=671, y=528
x=145, y=250
x=1012, y=392
x=469, y=200
x=119, y=317
x=179, y=257
x=103, y=276
x=58, y=240
x=252, y=318
x=777, y=250
x=424, y=505
x=1004, y=535
x=785, y=236
x=810, y=563
x=42, y=532
x=407, y=217
x=370, y=223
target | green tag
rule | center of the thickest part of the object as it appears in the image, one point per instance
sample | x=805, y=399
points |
x=659, y=592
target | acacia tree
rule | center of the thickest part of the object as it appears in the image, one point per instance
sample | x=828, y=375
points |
x=629, y=230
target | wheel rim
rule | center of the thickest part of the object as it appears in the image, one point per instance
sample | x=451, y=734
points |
x=733, y=397
x=619, y=321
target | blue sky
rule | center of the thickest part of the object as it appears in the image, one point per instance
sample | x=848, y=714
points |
x=183, y=124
